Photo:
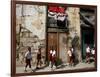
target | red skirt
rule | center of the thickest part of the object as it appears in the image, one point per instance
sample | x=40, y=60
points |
x=50, y=57
x=88, y=55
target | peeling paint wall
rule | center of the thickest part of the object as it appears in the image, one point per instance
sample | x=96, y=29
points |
x=30, y=29
x=32, y=17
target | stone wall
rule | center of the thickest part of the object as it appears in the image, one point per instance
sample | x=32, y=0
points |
x=30, y=30
x=74, y=29
x=27, y=40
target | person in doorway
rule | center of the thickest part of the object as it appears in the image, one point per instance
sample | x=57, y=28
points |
x=28, y=57
x=87, y=54
x=38, y=58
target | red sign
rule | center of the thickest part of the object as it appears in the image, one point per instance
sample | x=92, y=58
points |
x=56, y=9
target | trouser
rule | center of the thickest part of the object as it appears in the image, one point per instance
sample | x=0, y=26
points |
x=87, y=57
x=70, y=60
x=53, y=63
x=39, y=62
x=28, y=62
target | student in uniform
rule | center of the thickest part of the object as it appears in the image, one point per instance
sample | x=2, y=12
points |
x=70, y=57
x=38, y=58
x=73, y=56
x=53, y=62
x=87, y=54
x=93, y=53
x=50, y=56
x=28, y=57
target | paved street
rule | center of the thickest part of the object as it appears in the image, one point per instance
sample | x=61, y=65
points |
x=20, y=69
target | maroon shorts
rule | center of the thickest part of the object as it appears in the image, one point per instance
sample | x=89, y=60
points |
x=51, y=57
x=28, y=61
x=87, y=55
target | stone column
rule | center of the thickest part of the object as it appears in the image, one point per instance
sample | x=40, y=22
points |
x=74, y=28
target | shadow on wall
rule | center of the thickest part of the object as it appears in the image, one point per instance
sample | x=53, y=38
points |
x=76, y=45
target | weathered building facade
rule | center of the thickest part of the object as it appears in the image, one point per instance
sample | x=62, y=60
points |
x=61, y=38
x=87, y=18
x=34, y=29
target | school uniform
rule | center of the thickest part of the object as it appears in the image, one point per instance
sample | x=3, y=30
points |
x=39, y=58
x=51, y=55
x=70, y=56
x=28, y=57
x=87, y=52
x=53, y=62
x=93, y=53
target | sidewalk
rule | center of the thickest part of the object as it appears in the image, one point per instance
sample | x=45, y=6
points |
x=20, y=69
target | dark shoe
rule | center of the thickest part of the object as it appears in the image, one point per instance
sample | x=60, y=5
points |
x=37, y=67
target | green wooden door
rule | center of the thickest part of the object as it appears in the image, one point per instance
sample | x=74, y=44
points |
x=87, y=39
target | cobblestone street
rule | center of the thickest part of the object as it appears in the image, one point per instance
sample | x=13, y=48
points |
x=20, y=69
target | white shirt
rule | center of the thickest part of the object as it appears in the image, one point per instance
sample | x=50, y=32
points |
x=53, y=53
x=88, y=50
x=26, y=53
x=72, y=50
x=69, y=53
x=93, y=51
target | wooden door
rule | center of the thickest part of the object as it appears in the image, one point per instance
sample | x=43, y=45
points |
x=52, y=42
x=63, y=47
x=87, y=39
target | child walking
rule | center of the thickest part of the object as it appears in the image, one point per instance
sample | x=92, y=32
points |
x=28, y=57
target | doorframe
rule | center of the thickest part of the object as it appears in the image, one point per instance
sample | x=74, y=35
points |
x=58, y=33
x=83, y=32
